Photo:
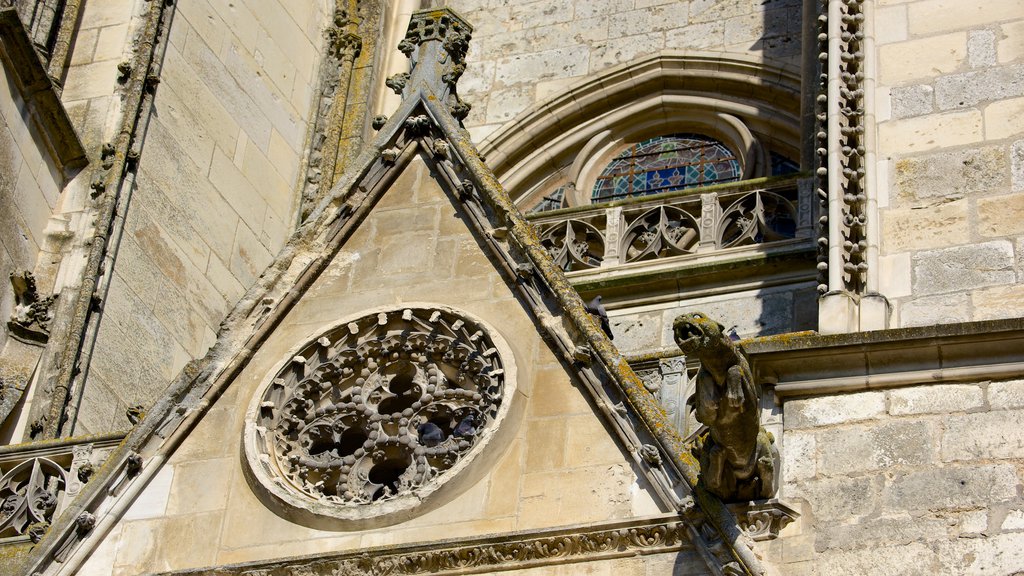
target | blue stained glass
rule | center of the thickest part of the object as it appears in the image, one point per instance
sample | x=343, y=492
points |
x=666, y=164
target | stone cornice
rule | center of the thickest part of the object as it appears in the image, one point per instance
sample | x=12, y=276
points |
x=810, y=363
x=511, y=551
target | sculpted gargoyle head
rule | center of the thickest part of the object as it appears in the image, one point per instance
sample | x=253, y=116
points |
x=695, y=332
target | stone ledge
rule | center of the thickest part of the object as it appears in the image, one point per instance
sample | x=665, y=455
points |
x=513, y=551
x=36, y=88
x=807, y=364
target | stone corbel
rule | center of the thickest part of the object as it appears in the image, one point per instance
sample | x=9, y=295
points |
x=763, y=519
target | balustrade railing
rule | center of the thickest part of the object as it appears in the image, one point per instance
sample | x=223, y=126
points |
x=694, y=221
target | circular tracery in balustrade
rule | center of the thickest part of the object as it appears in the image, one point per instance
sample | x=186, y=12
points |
x=375, y=414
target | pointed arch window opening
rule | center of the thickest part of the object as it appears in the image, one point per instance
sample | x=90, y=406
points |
x=667, y=164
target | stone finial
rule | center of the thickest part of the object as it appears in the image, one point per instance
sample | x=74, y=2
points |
x=437, y=42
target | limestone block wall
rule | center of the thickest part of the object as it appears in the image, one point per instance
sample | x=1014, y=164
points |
x=775, y=310
x=215, y=194
x=30, y=183
x=951, y=151
x=524, y=53
x=916, y=480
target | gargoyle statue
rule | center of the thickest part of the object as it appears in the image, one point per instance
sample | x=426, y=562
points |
x=738, y=458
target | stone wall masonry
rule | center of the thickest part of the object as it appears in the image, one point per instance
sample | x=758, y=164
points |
x=922, y=479
x=215, y=192
x=525, y=52
x=951, y=94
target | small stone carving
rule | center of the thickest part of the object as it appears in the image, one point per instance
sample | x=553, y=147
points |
x=737, y=456
x=397, y=82
x=85, y=472
x=378, y=409
x=133, y=464
x=37, y=530
x=651, y=454
x=32, y=315
x=84, y=524
x=418, y=125
x=389, y=155
x=379, y=121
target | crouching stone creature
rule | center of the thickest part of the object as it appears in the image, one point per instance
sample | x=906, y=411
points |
x=738, y=458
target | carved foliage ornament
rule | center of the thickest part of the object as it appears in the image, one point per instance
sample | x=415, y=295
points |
x=376, y=413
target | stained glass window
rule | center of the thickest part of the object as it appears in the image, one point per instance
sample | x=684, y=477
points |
x=666, y=164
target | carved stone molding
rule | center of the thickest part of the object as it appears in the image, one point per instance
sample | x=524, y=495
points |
x=510, y=552
x=763, y=519
x=840, y=146
x=375, y=414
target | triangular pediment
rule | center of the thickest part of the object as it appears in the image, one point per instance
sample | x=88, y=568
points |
x=418, y=237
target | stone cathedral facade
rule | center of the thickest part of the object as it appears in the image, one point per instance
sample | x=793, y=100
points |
x=637, y=287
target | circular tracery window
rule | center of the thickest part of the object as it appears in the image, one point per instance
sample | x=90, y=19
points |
x=378, y=412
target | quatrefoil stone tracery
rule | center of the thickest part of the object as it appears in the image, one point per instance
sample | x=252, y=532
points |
x=376, y=413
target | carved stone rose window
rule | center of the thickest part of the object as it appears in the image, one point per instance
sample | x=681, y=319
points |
x=377, y=413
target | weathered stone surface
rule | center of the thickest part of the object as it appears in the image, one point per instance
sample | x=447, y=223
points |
x=922, y=58
x=859, y=497
x=981, y=48
x=950, y=487
x=910, y=560
x=931, y=132
x=838, y=409
x=971, y=88
x=984, y=436
x=1017, y=165
x=637, y=333
x=963, y=267
x=750, y=314
x=1006, y=395
x=935, y=399
x=947, y=175
x=998, y=554
x=930, y=16
x=799, y=460
x=913, y=100
x=903, y=529
x=945, y=224
x=863, y=448
x=1001, y=215
x=998, y=302
x=944, y=309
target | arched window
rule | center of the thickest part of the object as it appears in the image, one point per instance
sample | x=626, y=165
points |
x=667, y=164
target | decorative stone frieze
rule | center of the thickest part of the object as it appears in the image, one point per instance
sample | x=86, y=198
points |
x=377, y=413
x=613, y=540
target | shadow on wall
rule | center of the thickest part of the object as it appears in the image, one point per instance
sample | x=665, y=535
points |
x=781, y=35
